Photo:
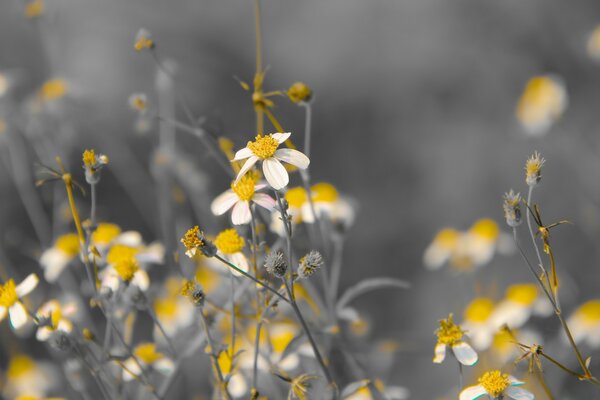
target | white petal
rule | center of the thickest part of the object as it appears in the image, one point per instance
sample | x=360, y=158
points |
x=241, y=213
x=2, y=313
x=472, y=393
x=275, y=173
x=290, y=362
x=264, y=200
x=43, y=333
x=242, y=154
x=435, y=257
x=152, y=254
x=164, y=365
x=518, y=393
x=132, y=368
x=54, y=261
x=246, y=167
x=281, y=137
x=223, y=202
x=293, y=157
x=130, y=238
x=27, y=286
x=237, y=385
x=307, y=214
x=18, y=315
x=464, y=353
x=440, y=353
x=260, y=186
x=513, y=314
x=141, y=279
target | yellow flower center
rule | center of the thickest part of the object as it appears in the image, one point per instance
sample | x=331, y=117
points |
x=263, y=146
x=479, y=310
x=542, y=95
x=447, y=238
x=296, y=197
x=494, y=382
x=120, y=252
x=34, y=8
x=105, y=233
x=143, y=43
x=281, y=337
x=229, y=241
x=486, y=229
x=165, y=307
x=147, y=353
x=191, y=239
x=503, y=341
x=55, y=317
x=89, y=158
x=8, y=294
x=68, y=244
x=449, y=333
x=590, y=311
x=244, y=189
x=324, y=192
x=53, y=89
x=126, y=268
x=524, y=293
x=19, y=366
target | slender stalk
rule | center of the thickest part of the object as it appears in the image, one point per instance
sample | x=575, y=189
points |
x=307, y=127
x=460, y=377
x=233, y=333
x=214, y=358
x=162, y=330
x=257, y=342
x=93, y=205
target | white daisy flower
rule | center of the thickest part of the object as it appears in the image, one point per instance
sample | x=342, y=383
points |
x=10, y=300
x=496, y=386
x=477, y=322
x=148, y=357
x=242, y=193
x=55, y=314
x=265, y=149
x=519, y=304
x=327, y=202
x=450, y=334
x=229, y=245
x=123, y=265
x=441, y=248
x=584, y=324
x=55, y=259
x=542, y=103
x=503, y=346
x=173, y=311
x=28, y=377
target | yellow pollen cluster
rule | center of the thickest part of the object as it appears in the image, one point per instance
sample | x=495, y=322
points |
x=8, y=294
x=522, y=293
x=53, y=89
x=34, y=8
x=299, y=92
x=494, y=382
x=147, y=353
x=127, y=268
x=449, y=333
x=120, y=252
x=479, y=310
x=191, y=239
x=143, y=42
x=105, y=233
x=89, y=158
x=188, y=288
x=244, y=189
x=324, y=192
x=68, y=244
x=263, y=146
x=296, y=197
x=590, y=311
x=18, y=366
x=229, y=241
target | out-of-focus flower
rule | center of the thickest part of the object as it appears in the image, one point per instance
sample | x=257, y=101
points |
x=92, y=164
x=504, y=345
x=193, y=291
x=389, y=392
x=329, y=204
x=542, y=103
x=230, y=244
x=124, y=265
x=512, y=208
x=496, y=386
x=520, y=302
x=239, y=197
x=441, y=248
x=173, y=311
x=143, y=40
x=34, y=8
x=26, y=377
x=584, y=324
x=265, y=149
x=54, y=316
x=54, y=259
x=310, y=263
x=533, y=169
x=53, y=89
x=450, y=334
x=138, y=102
x=299, y=92
x=106, y=233
x=593, y=44
x=10, y=300
x=477, y=322
x=295, y=198
x=5, y=84
x=147, y=357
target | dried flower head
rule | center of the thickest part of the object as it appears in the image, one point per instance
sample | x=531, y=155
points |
x=92, y=164
x=299, y=386
x=194, y=240
x=449, y=333
x=533, y=169
x=276, y=263
x=512, y=208
x=299, y=92
x=310, y=263
x=143, y=40
x=193, y=291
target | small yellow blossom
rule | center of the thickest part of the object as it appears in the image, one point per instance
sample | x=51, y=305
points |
x=263, y=146
x=494, y=382
x=89, y=158
x=229, y=242
x=105, y=233
x=245, y=187
x=120, y=252
x=53, y=89
x=34, y=8
x=533, y=169
x=299, y=92
x=143, y=40
x=543, y=101
x=8, y=294
x=191, y=240
x=127, y=268
x=147, y=353
x=449, y=333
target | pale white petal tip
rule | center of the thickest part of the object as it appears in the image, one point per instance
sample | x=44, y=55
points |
x=465, y=354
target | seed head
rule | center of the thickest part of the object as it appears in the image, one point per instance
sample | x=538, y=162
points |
x=192, y=290
x=533, y=169
x=310, y=263
x=276, y=263
x=512, y=208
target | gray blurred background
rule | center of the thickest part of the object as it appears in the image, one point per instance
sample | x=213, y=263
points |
x=413, y=117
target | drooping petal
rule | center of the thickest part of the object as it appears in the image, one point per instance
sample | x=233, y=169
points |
x=246, y=167
x=275, y=173
x=54, y=261
x=27, y=286
x=289, y=362
x=464, y=353
x=242, y=154
x=440, y=353
x=164, y=365
x=141, y=279
x=517, y=393
x=18, y=315
x=293, y=157
x=264, y=200
x=241, y=213
x=223, y=202
x=281, y=137
x=472, y=393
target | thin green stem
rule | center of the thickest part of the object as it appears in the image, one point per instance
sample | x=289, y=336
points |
x=214, y=358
